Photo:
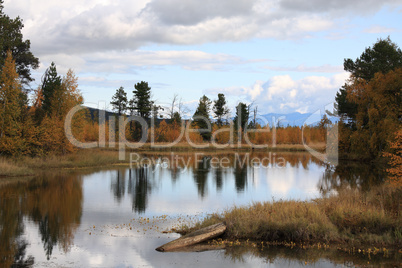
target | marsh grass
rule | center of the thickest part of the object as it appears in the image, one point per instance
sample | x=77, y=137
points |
x=184, y=146
x=9, y=168
x=350, y=217
x=80, y=159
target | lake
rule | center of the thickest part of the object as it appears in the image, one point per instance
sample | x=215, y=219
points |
x=117, y=216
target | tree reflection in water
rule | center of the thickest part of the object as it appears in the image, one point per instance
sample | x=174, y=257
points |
x=140, y=188
x=200, y=174
x=355, y=175
x=240, y=175
x=54, y=203
x=118, y=185
x=218, y=179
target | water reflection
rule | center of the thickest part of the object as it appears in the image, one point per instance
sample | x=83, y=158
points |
x=200, y=174
x=281, y=256
x=218, y=179
x=53, y=204
x=140, y=187
x=353, y=175
x=240, y=175
x=118, y=185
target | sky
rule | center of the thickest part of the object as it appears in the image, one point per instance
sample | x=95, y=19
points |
x=282, y=56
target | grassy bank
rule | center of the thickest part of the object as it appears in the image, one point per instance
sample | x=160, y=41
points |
x=183, y=146
x=9, y=168
x=350, y=218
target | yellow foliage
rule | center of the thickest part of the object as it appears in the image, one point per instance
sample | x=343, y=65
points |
x=395, y=171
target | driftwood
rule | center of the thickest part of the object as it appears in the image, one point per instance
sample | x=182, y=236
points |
x=195, y=237
x=199, y=248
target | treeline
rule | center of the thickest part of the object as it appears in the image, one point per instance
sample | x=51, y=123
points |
x=210, y=122
x=167, y=131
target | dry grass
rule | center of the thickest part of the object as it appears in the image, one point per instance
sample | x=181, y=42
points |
x=350, y=217
x=185, y=146
x=10, y=169
x=80, y=159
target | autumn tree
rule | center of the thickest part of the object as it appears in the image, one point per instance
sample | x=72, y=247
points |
x=370, y=100
x=395, y=159
x=11, y=39
x=10, y=111
x=220, y=108
x=201, y=117
x=379, y=113
x=119, y=101
x=60, y=95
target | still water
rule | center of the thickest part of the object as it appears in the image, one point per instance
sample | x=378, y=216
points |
x=117, y=216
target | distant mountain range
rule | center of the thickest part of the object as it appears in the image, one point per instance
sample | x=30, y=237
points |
x=283, y=120
x=292, y=119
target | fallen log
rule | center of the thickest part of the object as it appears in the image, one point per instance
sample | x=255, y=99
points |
x=194, y=237
x=199, y=248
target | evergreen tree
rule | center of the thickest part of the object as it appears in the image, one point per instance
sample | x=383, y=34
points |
x=141, y=102
x=220, y=108
x=11, y=39
x=51, y=88
x=141, y=105
x=345, y=109
x=383, y=57
x=176, y=119
x=242, y=116
x=119, y=101
x=201, y=116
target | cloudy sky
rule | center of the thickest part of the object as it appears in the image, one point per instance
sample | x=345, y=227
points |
x=283, y=55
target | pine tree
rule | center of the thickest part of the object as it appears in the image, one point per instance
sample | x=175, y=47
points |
x=201, y=116
x=220, y=109
x=119, y=101
x=142, y=103
x=11, y=39
x=51, y=89
x=242, y=116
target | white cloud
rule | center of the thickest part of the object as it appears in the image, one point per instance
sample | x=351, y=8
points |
x=377, y=29
x=126, y=61
x=311, y=69
x=90, y=26
x=283, y=94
